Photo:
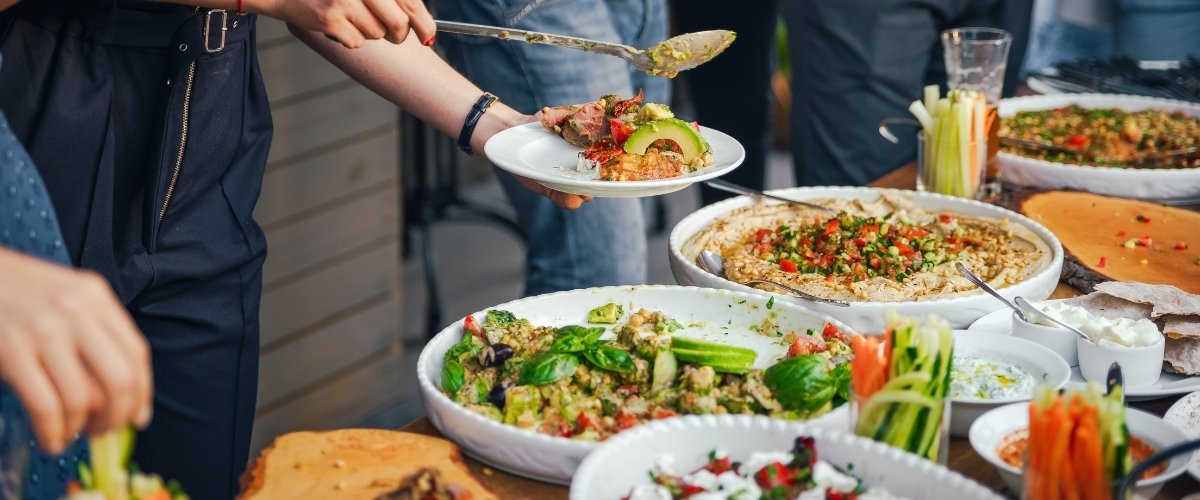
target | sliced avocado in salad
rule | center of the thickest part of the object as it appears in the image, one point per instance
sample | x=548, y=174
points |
x=691, y=145
x=607, y=314
x=653, y=111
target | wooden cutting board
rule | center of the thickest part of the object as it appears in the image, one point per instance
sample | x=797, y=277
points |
x=1094, y=229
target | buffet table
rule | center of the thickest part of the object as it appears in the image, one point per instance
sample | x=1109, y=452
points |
x=962, y=458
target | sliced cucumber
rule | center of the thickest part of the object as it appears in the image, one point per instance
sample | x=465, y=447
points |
x=665, y=368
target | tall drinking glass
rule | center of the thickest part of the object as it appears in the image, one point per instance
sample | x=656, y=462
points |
x=976, y=59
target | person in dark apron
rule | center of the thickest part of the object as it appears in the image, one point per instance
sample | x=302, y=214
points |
x=150, y=125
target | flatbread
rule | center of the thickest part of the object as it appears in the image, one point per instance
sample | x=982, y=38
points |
x=1177, y=327
x=1182, y=356
x=1166, y=299
x=352, y=463
x=1109, y=307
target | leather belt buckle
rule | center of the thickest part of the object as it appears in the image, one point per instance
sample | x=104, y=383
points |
x=208, y=17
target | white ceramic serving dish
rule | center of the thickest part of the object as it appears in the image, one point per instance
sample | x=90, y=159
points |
x=1185, y=416
x=1056, y=338
x=988, y=433
x=718, y=315
x=623, y=462
x=1168, y=186
x=1140, y=366
x=1168, y=384
x=1047, y=368
x=531, y=151
x=868, y=317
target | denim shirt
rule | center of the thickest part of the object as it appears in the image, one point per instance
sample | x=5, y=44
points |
x=28, y=224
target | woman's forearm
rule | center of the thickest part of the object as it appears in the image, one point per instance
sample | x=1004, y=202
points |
x=413, y=77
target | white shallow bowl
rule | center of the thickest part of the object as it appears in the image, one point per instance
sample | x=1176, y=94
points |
x=1177, y=185
x=988, y=433
x=1056, y=338
x=1047, y=368
x=531, y=151
x=1185, y=416
x=623, y=462
x=1140, y=366
x=868, y=317
x=725, y=317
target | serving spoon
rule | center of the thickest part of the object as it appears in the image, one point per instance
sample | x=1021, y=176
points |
x=962, y=269
x=666, y=58
x=1029, y=308
x=714, y=264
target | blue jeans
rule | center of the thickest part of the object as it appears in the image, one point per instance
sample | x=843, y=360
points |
x=602, y=243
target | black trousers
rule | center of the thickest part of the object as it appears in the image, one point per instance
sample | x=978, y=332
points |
x=731, y=93
x=153, y=150
x=855, y=62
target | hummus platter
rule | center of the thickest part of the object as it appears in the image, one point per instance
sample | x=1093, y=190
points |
x=879, y=247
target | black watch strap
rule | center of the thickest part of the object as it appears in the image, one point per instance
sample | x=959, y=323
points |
x=468, y=128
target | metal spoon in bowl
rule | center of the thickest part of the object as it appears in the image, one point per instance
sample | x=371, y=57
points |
x=962, y=269
x=739, y=189
x=1033, y=313
x=712, y=262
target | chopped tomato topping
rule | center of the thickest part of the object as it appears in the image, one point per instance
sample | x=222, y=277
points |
x=788, y=266
x=1144, y=240
x=1143, y=219
x=773, y=475
x=1182, y=245
x=719, y=465
x=806, y=344
x=1103, y=262
x=860, y=242
x=831, y=331
x=662, y=413
x=831, y=227
x=945, y=218
x=762, y=235
x=470, y=326
x=625, y=419
x=585, y=422
x=1078, y=141
x=691, y=489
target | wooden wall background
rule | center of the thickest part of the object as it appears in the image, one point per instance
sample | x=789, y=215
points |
x=331, y=336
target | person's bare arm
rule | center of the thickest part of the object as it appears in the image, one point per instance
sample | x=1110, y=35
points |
x=415, y=78
x=350, y=22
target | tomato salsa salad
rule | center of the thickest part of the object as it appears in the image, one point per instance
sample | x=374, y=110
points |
x=590, y=382
x=627, y=140
x=1106, y=136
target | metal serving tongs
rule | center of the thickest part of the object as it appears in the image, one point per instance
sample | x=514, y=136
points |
x=667, y=58
x=739, y=189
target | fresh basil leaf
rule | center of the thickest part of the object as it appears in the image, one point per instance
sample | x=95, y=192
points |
x=610, y=358
x=453, y=377
x=801, y=383
x=548, y=368
x=841, y=382
x=465, y=347
x=574, y=338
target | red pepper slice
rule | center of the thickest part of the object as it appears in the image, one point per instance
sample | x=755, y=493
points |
x=1182, y=245
x=1145, y=240
x=1103, y=262
x=620, y=131
x=788, y=266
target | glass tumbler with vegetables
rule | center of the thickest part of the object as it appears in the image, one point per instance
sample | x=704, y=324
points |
x=953, y=141
x=900, y=384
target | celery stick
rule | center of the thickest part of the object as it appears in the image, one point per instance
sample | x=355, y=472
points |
x=963, y=117
x=931, y=95
x=918, y=110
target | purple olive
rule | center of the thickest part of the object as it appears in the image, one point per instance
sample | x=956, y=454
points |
x=495, y=354
x=496, y=395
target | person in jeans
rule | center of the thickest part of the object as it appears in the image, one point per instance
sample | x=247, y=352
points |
x=602, y=243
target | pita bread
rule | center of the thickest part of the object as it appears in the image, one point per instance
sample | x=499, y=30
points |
x=1183, y=356
x=1109, y=307
x=353, y=463
x=1177, y=327
x=1166, y=299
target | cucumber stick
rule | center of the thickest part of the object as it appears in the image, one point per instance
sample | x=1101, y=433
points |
x=721, y=357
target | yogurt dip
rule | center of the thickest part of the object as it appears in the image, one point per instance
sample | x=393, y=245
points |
x=974, y=377
x=1122, y=332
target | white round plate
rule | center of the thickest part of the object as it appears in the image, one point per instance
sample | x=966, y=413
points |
x=1174, y=186
x=868, y=317
x=1185, y=415
x=625, y=460
x=532, y=151
x=1169, y=384
x=717, y=315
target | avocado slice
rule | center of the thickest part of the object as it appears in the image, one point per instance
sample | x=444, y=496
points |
x=607, y=313
x=691, y=145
